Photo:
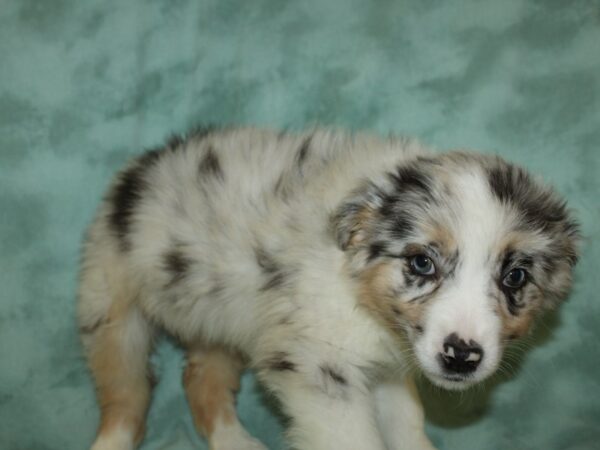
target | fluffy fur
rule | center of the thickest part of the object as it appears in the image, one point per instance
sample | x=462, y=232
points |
x=330, y=263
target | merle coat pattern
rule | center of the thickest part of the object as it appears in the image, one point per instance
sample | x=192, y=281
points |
x=332, y=264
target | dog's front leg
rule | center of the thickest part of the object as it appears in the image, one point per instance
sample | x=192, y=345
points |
x=326, y=419
x=400, y=416
x=321, y=422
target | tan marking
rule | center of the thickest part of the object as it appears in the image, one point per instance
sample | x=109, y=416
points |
x=124, y=409
x=519, y=240
x=515, y=327
x=211, y=379
x=357, y=234
x=442, y=236
x=122, y=382
x=376, y=293
x=519, y=325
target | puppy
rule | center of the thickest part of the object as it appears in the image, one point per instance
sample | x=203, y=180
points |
x=331, y=264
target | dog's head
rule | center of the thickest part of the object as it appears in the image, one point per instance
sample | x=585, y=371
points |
x=459, y=253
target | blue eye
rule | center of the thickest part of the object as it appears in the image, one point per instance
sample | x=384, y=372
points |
x=515, y=279
x=422, y=265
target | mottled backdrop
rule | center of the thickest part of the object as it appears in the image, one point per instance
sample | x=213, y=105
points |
x=86, y=84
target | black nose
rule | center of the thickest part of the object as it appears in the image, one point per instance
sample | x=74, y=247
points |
x=459, y=356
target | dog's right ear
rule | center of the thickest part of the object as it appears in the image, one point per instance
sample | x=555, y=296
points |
x=353, y=219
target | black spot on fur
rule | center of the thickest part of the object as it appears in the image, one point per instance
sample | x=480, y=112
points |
x=177, y=265
x=285, y=182
x=303, y=152
x=202, y=131
x=503, y=178
x=411, y=179
x=265, y=261
x=334, y=375
x=274, y=272
x=210, y=165
x=412, y=187
x=399, y=223
x=539, y=207
x=127, y=193
x=175, y=142
x=377, y=249
x=132, y=183
x=276, y=280
x=280, y=362
x=402, y=227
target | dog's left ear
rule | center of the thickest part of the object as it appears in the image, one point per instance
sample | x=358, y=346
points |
x=353, y=219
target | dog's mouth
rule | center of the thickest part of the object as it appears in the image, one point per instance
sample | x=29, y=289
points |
x=452, y=382
x=455, y=378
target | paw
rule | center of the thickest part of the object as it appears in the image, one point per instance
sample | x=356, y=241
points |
x=234, y=438
x=117, y=439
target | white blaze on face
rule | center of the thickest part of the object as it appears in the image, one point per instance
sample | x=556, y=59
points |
x=463, y=305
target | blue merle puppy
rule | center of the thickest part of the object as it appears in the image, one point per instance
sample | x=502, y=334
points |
x=330, y=263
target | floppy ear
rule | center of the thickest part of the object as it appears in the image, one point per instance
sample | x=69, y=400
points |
x=542, y=211
x=565, y=250
x=353, y=219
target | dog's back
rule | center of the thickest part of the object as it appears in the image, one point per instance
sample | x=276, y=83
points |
x=195, y=230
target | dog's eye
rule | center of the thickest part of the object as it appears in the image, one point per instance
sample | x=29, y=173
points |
x=515, y=279
x=422, y=265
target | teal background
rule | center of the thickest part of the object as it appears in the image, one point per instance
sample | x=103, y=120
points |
x=86, y=84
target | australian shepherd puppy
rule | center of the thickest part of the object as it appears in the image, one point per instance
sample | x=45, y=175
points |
x=329, y=263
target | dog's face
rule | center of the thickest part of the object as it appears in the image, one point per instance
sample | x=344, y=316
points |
x=458, y=253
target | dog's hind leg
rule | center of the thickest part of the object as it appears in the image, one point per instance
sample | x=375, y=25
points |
x=117, y=341
x=211, y=379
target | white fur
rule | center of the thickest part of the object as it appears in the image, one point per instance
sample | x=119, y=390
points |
x=400, y=416
x=459, y=307
x=233, y=437
x=118, y=439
